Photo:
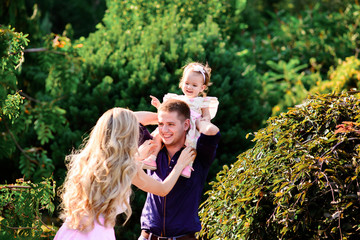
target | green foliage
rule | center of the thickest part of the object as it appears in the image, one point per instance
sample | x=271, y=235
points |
x=21, y=208
x=265, y=55
x=11, y=106
x=299, y=181
x=284, y=80
x=345, y=76
x=314, y=37
x=34, y=164
x=44, y=117
x=12, y=56
x=11, y=48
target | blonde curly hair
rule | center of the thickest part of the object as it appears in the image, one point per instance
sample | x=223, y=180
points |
x=100, y=173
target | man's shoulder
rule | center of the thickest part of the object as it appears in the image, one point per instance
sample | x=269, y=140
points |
x=210, y=138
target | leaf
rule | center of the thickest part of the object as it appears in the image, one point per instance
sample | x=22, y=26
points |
x=279, y=194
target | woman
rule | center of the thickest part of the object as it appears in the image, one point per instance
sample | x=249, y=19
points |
x=98, y=184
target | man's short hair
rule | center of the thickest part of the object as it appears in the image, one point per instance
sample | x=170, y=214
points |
x=174, y=105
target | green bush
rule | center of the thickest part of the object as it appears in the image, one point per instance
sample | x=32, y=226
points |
x=21, y=208
x=293, y=52
x=345, y=76
x=299, y=181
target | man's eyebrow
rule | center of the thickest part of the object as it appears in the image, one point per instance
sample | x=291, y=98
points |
x=165, y=122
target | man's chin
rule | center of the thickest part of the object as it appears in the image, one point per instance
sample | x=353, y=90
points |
x=166, y=141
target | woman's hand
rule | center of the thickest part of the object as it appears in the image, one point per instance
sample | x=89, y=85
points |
x=155, y=102
x=187, y=156
x=145, y=150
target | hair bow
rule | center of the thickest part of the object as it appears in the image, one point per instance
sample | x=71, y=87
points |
x=198, y=68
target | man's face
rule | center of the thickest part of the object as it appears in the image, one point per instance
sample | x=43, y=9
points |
x=172, y=130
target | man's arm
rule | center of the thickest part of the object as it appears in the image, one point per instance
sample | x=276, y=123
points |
x=207, y=128
x=146, y=118
x=207, y=143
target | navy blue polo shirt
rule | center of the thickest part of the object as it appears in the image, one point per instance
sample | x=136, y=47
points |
x=177, y=213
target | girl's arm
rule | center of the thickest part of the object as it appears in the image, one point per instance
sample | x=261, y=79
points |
x=148, y=184
x=155, y=102
x=206, y=114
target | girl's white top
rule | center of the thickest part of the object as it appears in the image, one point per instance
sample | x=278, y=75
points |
x=195, y=105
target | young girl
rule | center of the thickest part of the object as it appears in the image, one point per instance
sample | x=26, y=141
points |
x=98, y=184
x=194, y=82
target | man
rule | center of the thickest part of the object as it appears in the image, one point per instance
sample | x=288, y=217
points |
x=175, y=216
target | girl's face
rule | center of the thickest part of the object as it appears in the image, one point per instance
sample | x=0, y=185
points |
x=192, y=84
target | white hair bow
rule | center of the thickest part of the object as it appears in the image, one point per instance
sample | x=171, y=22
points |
x=198, y=68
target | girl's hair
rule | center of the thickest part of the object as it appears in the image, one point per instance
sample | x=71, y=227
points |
x=99, y=175
x=207, y=74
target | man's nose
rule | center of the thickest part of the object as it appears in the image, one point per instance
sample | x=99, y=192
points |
x=165, y=128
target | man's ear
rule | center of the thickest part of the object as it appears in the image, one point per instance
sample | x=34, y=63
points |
x=187, y=124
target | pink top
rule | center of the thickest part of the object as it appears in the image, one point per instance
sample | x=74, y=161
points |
x=98, y=232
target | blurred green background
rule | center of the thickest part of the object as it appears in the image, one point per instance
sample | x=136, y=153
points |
x=86, y=56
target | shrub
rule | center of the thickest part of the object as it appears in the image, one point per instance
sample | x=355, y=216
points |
x=345, y=76
x=299, y=181
x=294, y=52
x=21, y=208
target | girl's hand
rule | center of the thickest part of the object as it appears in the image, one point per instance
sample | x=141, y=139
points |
x=155, y=102
x=145, y=150
x=187, y=156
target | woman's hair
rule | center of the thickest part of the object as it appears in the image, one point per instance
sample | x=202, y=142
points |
x=193, y=66
x=99, y=175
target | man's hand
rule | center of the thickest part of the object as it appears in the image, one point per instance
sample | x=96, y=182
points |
x=145, y=150
x=186, y=157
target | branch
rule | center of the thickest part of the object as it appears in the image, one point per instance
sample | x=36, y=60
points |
x=38, y=218
x=332, y=149
x=337, y=208
x=38, y=101
x=18, y=228
x=31, y=50
x=28, y=97
x=18, y=146
x=36, y=50
x=9, y=186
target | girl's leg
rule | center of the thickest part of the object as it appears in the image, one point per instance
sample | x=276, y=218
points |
x=150, y=162
x=186, y=172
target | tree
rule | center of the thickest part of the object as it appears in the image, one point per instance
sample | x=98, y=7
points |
x=300, y=180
